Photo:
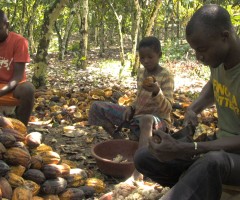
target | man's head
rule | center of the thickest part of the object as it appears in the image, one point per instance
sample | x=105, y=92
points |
x=150, y=52
x=3, y=26
x=209, y=33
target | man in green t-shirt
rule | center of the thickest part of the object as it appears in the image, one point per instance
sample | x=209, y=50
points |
x=211, y=34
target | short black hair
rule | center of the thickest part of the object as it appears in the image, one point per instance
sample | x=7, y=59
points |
x=152, y=42
x=3, y=16
x=213, y=17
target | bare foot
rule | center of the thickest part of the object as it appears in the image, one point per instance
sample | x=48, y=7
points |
x=136, y=177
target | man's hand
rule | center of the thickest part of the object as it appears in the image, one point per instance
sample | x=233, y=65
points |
x=168, y=149
x=190, y=117
x=152, y=87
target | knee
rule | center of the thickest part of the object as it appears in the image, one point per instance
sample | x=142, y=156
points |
x=94, y=105
x=146, y=119
x=25, y=91
x=214, y=159
x=140, y=158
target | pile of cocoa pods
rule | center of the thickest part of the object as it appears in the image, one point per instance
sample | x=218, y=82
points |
x=31, y=170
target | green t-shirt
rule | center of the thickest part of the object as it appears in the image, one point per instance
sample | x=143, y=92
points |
x=226, y=87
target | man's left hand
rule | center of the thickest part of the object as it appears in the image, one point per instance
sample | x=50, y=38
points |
x=153, y=87
x=168, y=149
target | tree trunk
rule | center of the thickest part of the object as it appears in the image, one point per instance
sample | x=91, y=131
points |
x=82, y=59
x=102, y=30
x=29, y=28
x=119, y=20
x=135, y=58
x=152, y=18
x=40, y=68
x=63, y=38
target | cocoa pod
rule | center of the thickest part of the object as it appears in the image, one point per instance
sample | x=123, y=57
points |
x=52, y=171
x=97, y=184
x=54, y=186
x=4, y=168
x=15, y=180
x=34, y=187
x=50, y=157
x=19, y=126
x=71, y=194
x=88, y=191
x=34, y=175
x=17, y=156
x=22, y=193
x=37, y=198
x=33, y=139
x=5, y=188
x=149, y=80
x=18, y=136
x=36, y=162
x=7, y=140
x=5, y=122
x=18, y=170
x=51, y=197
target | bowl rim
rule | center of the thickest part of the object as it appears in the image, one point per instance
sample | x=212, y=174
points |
x=105, y=159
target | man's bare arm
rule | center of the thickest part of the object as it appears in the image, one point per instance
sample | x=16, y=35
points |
x=17, y=77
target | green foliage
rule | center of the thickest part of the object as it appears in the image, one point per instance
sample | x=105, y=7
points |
x=202, y=72
x=172, y=50
x=74, y=47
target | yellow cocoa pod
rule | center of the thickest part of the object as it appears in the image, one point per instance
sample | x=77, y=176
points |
x=15, y=180
x=22, y=193
x=34, y=187
x=18, y=170
x=50, y=157
x=19, y=126
x=97, y=184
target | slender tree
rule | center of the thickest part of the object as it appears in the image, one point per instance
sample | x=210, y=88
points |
x=40, y=68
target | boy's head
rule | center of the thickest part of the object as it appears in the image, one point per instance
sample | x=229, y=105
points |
x=3, y=26
x=149, y=52
x=208, y=32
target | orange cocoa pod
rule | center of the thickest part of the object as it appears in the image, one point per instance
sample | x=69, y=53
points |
x=36, y=162
x=71, y=193
x=5, y=188
x=15, y=180
x=17, y=156
x=149, y=80
x=22, y=193
x=34, y=187
x=37, y=198
x=18, y=125
x=50, y=157
x=18, y=170
x=97, y=184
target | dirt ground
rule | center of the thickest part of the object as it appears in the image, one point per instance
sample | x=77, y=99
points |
x=76, y=144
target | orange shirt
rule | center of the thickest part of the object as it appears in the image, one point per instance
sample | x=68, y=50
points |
x=13, y=49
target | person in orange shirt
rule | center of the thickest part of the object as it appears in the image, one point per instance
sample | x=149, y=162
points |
x=14, y=88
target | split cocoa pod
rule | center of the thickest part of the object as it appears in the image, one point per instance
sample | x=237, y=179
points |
x=149, y=80
x=12, y=123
